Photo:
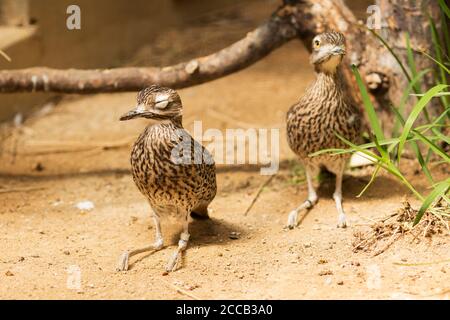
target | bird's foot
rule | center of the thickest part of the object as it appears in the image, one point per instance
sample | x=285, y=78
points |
x=173, y=261
x=342, y=221
x=292, y=219
x=123, y=262
x=182, y=245
x=293, y=215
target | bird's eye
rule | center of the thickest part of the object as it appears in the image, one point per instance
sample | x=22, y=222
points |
x=162, y=104
x=316, y=43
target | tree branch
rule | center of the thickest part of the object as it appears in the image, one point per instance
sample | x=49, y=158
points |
x=295, y=18
x=256, y=45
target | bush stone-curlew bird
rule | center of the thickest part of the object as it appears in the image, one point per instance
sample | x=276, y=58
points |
x=324, y=110
x=175, y=173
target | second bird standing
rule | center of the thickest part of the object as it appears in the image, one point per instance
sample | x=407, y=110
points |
x=324, y=111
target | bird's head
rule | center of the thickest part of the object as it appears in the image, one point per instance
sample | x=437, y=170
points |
x=328, y=49
x=157, y=103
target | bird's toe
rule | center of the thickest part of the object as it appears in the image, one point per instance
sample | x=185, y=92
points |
x=123, y=262
x=292, y=220
x=172, y=264
x=342, y=222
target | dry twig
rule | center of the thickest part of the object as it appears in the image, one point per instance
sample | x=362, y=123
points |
x=181, y=290
x=263, y=185
x=388, y=230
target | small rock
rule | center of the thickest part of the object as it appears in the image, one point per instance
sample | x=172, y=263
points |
x=38, y=167
x=9, y=273
x=340, y=283
x=307, y=245
x=191, y=287
x=66, y=252
x=85, y=205
x=322, y=261
x=325, y=273
x=56, y=203
x=234, y=235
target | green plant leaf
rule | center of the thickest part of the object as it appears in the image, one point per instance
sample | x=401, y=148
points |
x=370, y=109
x=444, y=8
x=411, y=62
x=415, y=113
x=445, y=31
x=392, y=53
x=440, y=94
x=385, y=164
x=442, y=65
x=438, y=150
x=439, y=190
x=372, y=179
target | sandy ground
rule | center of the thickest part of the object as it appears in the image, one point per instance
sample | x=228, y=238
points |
x=45, y=239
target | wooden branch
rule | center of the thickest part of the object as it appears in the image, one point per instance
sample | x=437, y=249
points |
x=295, y=18
x=256, y=45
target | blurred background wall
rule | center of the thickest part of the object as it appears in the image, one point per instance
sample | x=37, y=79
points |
x=110, y=32
x=120, y=32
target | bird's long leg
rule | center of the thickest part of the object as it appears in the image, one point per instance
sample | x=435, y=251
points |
x=182, y=245
x=307, y=204
x=342, y=222
x=157, y=245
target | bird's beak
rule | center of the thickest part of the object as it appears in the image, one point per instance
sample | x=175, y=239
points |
x=338, y=50
x=138, y=111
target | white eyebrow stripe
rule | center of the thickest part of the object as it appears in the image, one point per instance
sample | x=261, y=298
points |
x=161, y=97
x=327, y=47
x=140, y=108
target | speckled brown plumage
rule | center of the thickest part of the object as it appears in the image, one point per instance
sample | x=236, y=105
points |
x=174, y=182
x=324, y=110
x=188, y=187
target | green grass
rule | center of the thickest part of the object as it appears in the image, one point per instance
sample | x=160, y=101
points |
x=406, y=133
x=297, y=173
x=4, y=55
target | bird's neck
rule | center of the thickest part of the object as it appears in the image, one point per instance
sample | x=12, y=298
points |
x=173, y=121
x=328, y=82
x=177, y=121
